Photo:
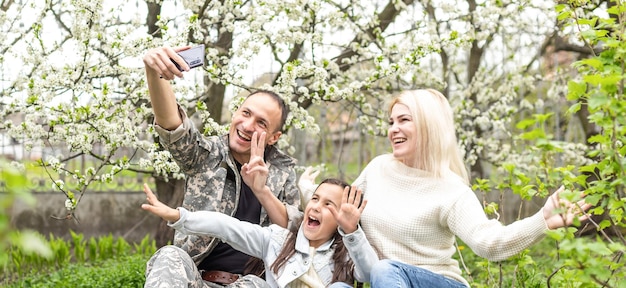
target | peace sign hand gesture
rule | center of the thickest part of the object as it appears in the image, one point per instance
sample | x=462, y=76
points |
x=352, y=206
x=255, y=172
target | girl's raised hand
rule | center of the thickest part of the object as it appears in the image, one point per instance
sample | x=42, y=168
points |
x=155, y=206
x=352, y=205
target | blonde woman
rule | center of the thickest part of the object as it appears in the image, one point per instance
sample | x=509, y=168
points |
x=420, y=200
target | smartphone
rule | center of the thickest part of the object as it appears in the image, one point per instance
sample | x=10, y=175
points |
x=194, y=57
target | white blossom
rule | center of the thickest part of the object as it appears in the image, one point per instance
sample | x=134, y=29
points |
x=70, y=205
x=82, y=92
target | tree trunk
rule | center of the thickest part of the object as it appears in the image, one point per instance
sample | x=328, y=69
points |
x=172, y=194
x=165, y=191
x=215, y=99
x=154, y=11
x=216, y=90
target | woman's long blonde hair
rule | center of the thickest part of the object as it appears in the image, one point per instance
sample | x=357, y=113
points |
x=437, y=148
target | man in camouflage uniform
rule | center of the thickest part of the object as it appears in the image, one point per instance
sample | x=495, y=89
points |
x=240, y=174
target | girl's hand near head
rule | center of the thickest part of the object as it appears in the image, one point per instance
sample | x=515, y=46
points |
x=349, y=214
x=568, y=211
x=155, y=207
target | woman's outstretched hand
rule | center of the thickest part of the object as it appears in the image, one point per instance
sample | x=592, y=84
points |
x=307, y=179
x=155, y=206
x=560, y=213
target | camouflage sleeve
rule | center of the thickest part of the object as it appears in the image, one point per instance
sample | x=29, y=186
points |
x=192, y=152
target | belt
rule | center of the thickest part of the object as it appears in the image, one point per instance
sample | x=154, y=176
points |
x=220, y=277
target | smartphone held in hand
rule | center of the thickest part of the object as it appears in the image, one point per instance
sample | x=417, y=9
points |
x=194, y=57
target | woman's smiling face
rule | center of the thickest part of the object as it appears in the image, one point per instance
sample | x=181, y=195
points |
x=402, y=134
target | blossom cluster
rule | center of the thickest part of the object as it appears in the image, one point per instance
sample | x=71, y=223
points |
x=80, y=90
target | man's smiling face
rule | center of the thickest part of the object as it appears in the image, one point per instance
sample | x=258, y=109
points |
x=258, y=113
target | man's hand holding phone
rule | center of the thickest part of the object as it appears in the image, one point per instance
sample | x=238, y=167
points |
x=194, y=57
x=168, y=62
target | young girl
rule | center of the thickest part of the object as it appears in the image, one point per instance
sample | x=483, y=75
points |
x=329, y=247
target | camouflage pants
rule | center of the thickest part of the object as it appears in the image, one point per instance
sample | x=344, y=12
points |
x=171, y=266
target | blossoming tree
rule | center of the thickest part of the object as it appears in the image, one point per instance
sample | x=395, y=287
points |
x=73, y=70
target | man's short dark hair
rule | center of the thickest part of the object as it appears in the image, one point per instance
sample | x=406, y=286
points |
x=284, y=109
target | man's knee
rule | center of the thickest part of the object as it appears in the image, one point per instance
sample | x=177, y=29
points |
x=169, y=256
x=171, y=266
x=172, y=250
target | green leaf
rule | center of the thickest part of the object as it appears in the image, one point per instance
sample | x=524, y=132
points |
x=597, y=139
x=597, y=101
x=555, y=234
x=525, y=123
x=600, y=248
x=576, y=90
x=590, y=22
x=533, y=135
x=565, y=14
x=593, y=199
x=592, y=62
x=31, y=242
x=574, y=108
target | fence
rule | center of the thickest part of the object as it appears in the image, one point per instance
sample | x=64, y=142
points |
x=99, y=214
x=106, y=208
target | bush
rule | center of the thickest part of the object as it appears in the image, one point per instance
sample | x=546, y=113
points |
x=13, y=188
x=102, y=262
x=126, y=271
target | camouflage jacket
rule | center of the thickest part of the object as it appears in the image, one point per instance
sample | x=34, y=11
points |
x=205, y=161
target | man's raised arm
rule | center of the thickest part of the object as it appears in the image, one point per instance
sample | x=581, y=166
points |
x=159, y=71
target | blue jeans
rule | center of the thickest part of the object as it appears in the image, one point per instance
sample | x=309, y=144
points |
x=390, y=273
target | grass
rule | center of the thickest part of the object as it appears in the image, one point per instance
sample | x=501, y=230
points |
x=95, y=262
x=529, y=269
x=125, y=271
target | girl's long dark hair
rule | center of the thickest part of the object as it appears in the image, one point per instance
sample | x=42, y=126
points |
x=343, y=265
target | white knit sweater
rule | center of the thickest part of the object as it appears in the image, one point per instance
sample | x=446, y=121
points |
x=413, y=217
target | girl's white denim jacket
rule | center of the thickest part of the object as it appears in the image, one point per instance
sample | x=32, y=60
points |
x=266, y=243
